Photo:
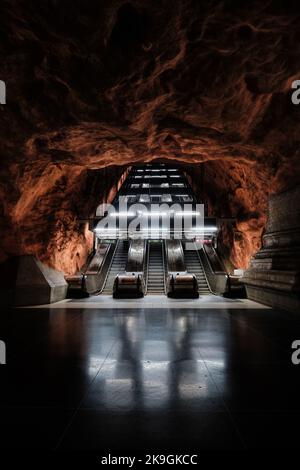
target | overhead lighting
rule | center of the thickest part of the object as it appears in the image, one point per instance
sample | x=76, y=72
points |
x=187, y=213
x=206, y=229
x=155, y=230
x=122, y=214
x=157, y=176
x=147, y=214
x=101, y=230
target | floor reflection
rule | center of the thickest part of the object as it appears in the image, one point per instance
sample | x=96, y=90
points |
x=208, y=378
x=155, y=364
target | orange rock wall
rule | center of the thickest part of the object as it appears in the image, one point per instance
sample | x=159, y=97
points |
x=95, y=85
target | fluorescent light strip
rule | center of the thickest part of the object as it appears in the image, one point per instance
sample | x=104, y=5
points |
x=147, y=214
x=205, y=229
x=187, y=213
x=122, y=214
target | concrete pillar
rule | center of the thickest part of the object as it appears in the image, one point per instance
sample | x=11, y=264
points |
x=274, y=274
x=30, y=282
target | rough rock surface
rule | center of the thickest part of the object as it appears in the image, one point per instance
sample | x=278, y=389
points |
x=97, y=84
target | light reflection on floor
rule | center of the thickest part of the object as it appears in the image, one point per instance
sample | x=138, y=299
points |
x=153, y=378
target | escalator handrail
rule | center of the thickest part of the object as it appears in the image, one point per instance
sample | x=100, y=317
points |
x=223, y=270
x=88, y=261
x=212, y=272
x=163, y=253
x=147, y=267
x=109, y=267
x=85, y=275
x=210, y=266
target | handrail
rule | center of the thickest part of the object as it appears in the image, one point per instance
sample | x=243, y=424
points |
x=217, y=280
x=147, y=267
x=163, y=249
x=88, y=260
x=220, y=268
x=90, y=280
x=109, y=267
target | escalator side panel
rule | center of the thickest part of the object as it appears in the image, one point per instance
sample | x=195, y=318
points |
x=180, y=283
x=98, y=259
x=94, y=276
x=117, y=266
x=136, y=256
x=131, y=283
x=175, y=256
x=215, y=273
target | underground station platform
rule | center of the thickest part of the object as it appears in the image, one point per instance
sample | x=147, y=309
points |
x=153, y=345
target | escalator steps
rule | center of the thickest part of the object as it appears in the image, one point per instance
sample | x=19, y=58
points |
x=194, y=266
x=118, y=265
x=155, y=281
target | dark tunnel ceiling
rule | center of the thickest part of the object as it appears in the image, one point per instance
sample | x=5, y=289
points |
x=95, y=84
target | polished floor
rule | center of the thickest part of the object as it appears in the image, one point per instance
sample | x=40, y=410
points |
x=149, y=379
x=153, y=301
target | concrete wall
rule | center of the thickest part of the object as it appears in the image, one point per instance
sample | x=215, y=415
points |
x=30, y=282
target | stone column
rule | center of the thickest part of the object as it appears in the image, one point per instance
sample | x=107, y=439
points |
x=274, y=273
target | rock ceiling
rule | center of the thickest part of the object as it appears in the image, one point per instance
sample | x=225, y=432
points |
x=98, y=84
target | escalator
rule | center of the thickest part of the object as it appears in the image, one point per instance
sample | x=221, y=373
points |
x=180, y=283
x=117, y=265
x=126, y=263
x=194, y=265
x=156, y=269
x=131, y=282
x=215, y=271
x=90, y=280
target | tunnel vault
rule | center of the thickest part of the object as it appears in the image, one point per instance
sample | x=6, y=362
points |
x=84, y=98
x=51, y=221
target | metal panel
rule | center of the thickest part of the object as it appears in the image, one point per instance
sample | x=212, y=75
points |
x=94, y=276
x=175, y=256
x=215, y=273
x=136, y=255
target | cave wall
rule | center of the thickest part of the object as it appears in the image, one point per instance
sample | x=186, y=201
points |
x=237, y=194
x=92, y=85
x=50, y=217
